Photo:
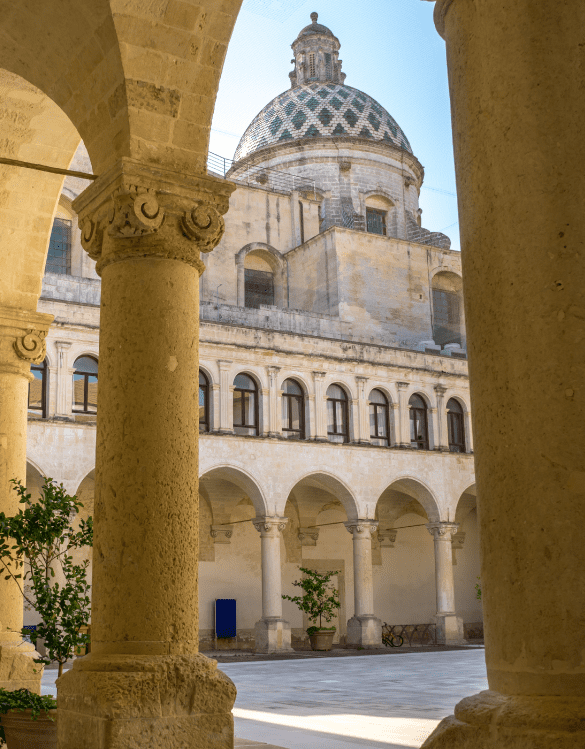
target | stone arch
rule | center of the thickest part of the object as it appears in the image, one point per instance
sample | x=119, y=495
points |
x=332, y=485
x=465, y=503
x=301, y=379
x=275, y=260
x=415, y=489
x=244, y=481
x=381, y=199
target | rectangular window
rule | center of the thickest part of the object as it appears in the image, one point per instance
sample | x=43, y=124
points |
x=376, y=221
x=302, y=221
x=311, y=66
x=259, y=288
x=328, y=66
x=59, y=254
x=446, y=317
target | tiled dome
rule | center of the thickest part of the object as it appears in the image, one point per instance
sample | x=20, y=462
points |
x=320, y=110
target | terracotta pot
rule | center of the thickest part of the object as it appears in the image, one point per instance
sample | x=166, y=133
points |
x=322, y=640
x=22, y=732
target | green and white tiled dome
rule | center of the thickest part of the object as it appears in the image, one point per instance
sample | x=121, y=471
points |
x=316, y=110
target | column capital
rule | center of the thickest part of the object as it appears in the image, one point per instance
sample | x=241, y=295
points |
x=387, y=537
x=308, y=536
x=361, y=528
x=403, y=385
x=137, y=210
x=269, y=526
x=221, y=533
x=22, y=339
x=442, y=530
x=361, y=379
x=440, y=390
x=319, y=375
x=62, y=345
x=224, y=364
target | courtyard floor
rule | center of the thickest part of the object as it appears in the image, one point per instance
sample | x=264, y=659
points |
x=388, y=701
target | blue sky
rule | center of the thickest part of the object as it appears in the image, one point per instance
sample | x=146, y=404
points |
x=390, y=49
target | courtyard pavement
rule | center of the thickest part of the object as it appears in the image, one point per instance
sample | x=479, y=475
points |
x=388, y=701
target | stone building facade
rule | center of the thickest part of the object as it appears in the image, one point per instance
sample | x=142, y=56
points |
x=335, y=426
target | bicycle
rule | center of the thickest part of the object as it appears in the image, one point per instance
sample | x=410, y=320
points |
x=390, y=640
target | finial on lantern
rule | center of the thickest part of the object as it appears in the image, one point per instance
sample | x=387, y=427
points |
x=314, y=17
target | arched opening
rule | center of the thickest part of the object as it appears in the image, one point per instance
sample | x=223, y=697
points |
x=380, y=215
x=245, y=405
x=337, y=414
x=466, y=565
x=447, y=308
x=293, y=410
x=404, y=578
x=419, y=423
x=258, y=281
x=379, y=418
x=204, y=420
x=37, y=391
x=455, y=426
x=85, y=390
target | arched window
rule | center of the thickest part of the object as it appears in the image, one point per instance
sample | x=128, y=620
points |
x=379, y=418
x=455, y=427
x=203, y=403
x=59, y=254
x=258, y=281
x=37, y=391
x=419, y=429
x=293, y=410
x=337, y=414
x=245, y=405
x=85, y=387
x=375, y=221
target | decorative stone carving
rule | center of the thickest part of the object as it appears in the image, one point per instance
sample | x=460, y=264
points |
x=457, y=541
x=344, y=165
x=221, y=534
x=361, y=527
x=270, y=526
x=204, y=225
x=32, y=346
x=387, y=537
x=442, y=530
x=409, y=181
x=308, y=536
x=139, y=210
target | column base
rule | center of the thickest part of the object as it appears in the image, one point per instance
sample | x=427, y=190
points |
x=449, y=629
x=490, y=720
x=272, y=636
x=120, y=701
x=364, y=632
x=18, y=669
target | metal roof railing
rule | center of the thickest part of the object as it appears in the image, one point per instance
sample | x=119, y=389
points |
x=259, y=176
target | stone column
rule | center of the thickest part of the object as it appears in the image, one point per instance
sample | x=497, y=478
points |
x=363, y=629
x=22, y=343
x=320, y=408
x=144, y=682
x=449, y=625
x=215, y=405
x=64, y=404
x=395, y=425
x=403, y=414
x=272, y=632
x=442, y=435
x=516, y=84
x=363, y=433
x=225, y=397
x=241, y=281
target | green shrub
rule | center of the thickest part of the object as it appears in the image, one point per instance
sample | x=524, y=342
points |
x=23, y=699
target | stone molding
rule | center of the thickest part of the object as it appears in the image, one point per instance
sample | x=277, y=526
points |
x=141, y=210
x=387, y=537
x=441, y=530
x=269, y=526
x=22, y=340
x=361, y=528
x=308, y=536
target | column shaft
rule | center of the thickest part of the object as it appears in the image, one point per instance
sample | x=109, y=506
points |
x=363, y=629
x=403, y=414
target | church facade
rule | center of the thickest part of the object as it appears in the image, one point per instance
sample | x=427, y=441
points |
x=335, y=425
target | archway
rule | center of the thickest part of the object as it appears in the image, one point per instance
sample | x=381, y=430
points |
x=466, y=564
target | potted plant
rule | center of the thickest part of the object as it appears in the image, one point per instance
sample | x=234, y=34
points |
x=18, y=710
x=36, y=552
x=320, y=602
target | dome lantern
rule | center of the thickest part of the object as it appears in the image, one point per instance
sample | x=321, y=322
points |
x=316, y=56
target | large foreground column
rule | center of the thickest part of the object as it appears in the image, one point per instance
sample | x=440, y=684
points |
x=449, y=625
x=272, y=632
x=144, y=683
x=363, y=629
x=517, y=92
x=22, y=343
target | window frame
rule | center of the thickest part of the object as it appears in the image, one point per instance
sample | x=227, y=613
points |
x=443, y=326
x=43, y=368
x=301, y=398
x=456, y=447
x=423, y=443
x=86, y=376
x=386, y=408
x=255, y=426
x=345, y=418
x=377, y=212
x=65, y=223
x=248, y=294
x=312, y=65
x=206, y=422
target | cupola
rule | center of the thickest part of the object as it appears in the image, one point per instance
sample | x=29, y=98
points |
x=316, y=56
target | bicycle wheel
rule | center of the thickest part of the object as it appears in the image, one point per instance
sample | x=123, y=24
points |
x=396, y=641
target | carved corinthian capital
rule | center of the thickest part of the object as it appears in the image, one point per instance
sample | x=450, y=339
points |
x=136, y=210
x=361, y=528
x=442, y=530
x=31, y=346
x=269, y=526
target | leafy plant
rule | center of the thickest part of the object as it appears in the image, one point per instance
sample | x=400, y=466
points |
x=478, y=590
x=41, y=534
x=23, y=699
x=320, y=600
